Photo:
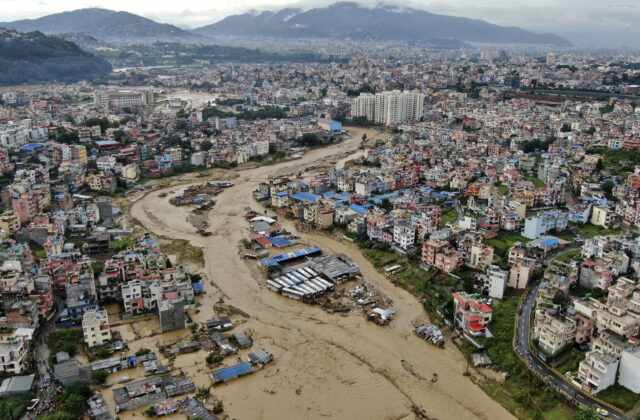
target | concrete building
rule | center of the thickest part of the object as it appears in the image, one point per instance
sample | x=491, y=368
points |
x=95, y=326
x=396, y=107
x=132, y=296
x=404, y=235
x=471, y=315
x=14, y=353
x=481, y=256
x=602, y=216
x=496, y=281
x=536, y=226
x=597, y=371
x=364, y=106
x=629, y=376
x=171, y=313
x=118, y=99
x=554, y=333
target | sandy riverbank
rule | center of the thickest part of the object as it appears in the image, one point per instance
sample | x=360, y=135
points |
x=326, y=365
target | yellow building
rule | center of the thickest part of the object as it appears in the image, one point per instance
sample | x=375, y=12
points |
x=130, y=171
x=324, y=218
x=79, y=152
x=602, y=216
x=9, y=222
x=95, y=182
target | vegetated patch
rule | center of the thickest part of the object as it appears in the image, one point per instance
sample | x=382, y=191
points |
x=619, y=396
x=449, y=215
x=229, y=310
x=588, y=230
x=64, y=340
x=14, y=405
x=184, y=251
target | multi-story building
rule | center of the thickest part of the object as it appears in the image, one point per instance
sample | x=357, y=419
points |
x=14, y=352
x=389, y=108
x=602, y=216
x=481, y=256
x=471, y=315
x=536, y=226
x=496, y=281
x=123, y=98
x=554, y=333
x=404, y=235
x=629, y=376
x=597, y=371
x=9, y=222
x=132, y=296
x=95, y=326
x=364, y=106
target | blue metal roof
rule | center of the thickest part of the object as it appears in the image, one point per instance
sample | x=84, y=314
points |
x=303, y=196
x=281, y=194
x=30, y=147
x=233, y=371
x=360, y=209
x=281, y=258
x=197, y=287
x=279, y=241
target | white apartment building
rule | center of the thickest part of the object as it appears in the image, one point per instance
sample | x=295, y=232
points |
x=364, y=106
x=536, y=226
x=395, y=107
x=404, y=235
x=13, y=136
x=122, y=98
x=597, y=371
x=132, y=296
x=14, y=353
x=106, y=163
x=389, y=108
x=629, y=376
x=496, y=281
x=95, y=326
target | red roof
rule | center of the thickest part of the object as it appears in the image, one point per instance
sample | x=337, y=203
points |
x=485, y=308
x=171, y=295
x=476, y=326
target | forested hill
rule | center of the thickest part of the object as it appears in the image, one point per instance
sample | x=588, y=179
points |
x=36, y=58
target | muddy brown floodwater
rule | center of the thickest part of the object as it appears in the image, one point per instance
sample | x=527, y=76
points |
x=326, y=365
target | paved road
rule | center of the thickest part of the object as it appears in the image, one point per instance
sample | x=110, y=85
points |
x=550, y=377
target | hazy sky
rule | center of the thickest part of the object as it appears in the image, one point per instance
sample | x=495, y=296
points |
x=574, y=18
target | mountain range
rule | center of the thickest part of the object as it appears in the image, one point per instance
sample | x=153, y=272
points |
x=383, y=22
x=340, y=20
x=105, y=25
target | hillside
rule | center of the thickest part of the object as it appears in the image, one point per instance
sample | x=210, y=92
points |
x=36, y=58
x=383, y=22
x=103, y=24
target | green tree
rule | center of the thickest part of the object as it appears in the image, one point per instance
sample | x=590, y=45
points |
x=566, y=128
x=206, y=145
x=607, y=187
x=99, y=375
x=119, y=135
x=309, y=139
x=587, y=414
x=364, y=137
